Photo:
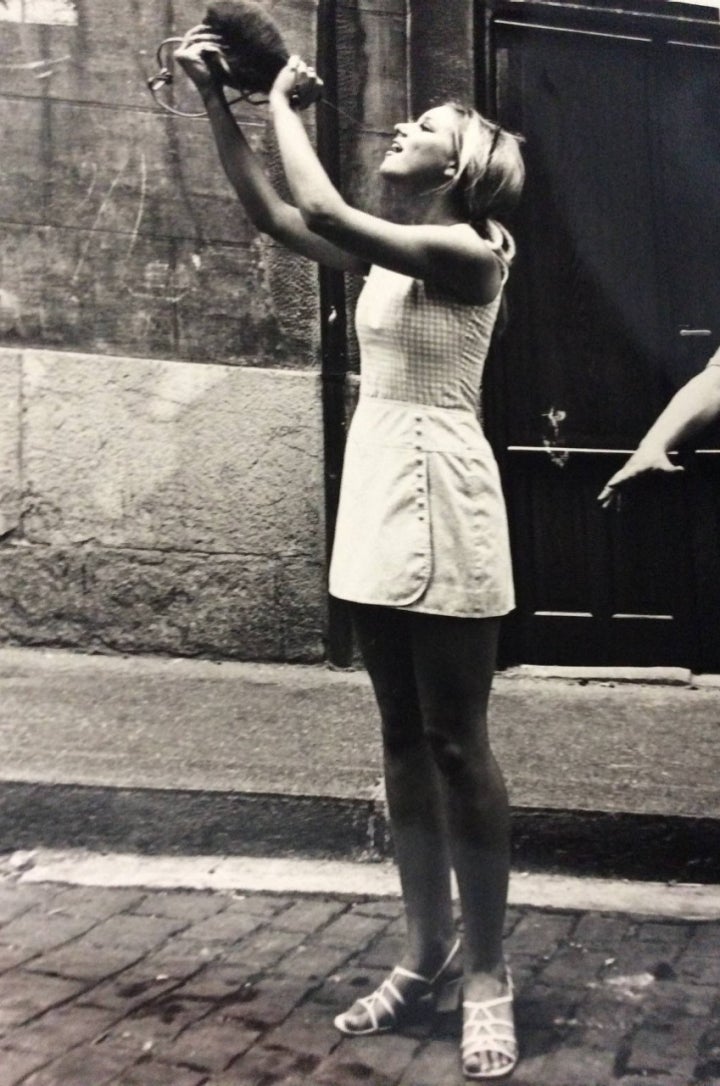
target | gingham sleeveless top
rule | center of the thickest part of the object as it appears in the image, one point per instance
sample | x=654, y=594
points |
x=419, y=346
x=421, y=522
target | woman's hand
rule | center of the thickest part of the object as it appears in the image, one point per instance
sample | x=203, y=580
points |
x=297, y=84
x=642, y=461
x=199, y=50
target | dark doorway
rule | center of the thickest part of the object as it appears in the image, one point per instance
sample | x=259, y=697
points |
x=615, y=302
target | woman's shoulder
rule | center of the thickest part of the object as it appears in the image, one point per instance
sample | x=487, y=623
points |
x=492, y=262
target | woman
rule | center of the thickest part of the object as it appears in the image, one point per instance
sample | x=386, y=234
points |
x=421, y=550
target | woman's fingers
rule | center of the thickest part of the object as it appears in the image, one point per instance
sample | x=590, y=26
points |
x=201, y=28
x=190, y=43
x=606, y=496
x=636, y=467
x=308, y=84
x=198, y=58
x=610, y=492
x=197, y=51
x=299, y=83
x=198, y=34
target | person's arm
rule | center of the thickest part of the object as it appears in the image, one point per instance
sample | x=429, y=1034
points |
x=694, y=406
x=440, y=253
x=262, y=204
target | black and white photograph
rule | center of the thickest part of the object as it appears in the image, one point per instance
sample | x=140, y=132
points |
x=360, y=542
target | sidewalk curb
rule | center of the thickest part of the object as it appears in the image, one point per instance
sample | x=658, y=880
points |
x=646, y=676
x=165, y=821
x=157, y=756
x=348, y=880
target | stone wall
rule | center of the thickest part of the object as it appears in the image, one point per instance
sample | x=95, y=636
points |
x=120, y=232
x=161, y=483
x=151, y=506
x=161, y=405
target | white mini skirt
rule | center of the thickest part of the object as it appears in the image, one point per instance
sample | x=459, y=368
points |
x=421, y=522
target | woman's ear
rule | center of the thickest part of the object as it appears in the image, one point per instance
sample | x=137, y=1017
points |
x=451, y=169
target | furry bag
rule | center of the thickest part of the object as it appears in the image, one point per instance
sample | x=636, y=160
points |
x=255, y=48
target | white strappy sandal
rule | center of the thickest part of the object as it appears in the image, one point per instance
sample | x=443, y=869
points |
x=401, y=997
x=484, y=1034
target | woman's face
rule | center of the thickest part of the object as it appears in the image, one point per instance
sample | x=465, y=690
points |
x=423, y=153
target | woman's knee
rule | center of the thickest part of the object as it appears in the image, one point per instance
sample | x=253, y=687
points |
x=459, y=760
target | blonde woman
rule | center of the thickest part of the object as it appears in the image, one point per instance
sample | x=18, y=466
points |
x=421, y=550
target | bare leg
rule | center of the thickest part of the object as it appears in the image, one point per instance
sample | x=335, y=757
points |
x=413, y=788
x=455, y=661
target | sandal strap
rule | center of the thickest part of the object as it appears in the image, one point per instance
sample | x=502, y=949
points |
x=368, y=1005
x=383, y=1005
x=454, y=949
x=388, y=996
x=486, y=1004
x=409, y=974
x=484, y=1031
x=429, y=981
x=497, y=1048
x=503, y=1046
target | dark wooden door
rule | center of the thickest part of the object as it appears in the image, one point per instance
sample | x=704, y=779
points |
x=615, y=301
x=688, y=133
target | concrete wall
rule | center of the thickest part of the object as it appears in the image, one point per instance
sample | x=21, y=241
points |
x=120, y=233
x=161, y=460
x=160, y=415
x=152, y=506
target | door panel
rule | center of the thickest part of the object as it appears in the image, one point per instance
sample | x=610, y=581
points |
x=706, y=555
x=686, y=119
x=619, y=253
x=594, y=587
x=689, y=136
x=586, y=291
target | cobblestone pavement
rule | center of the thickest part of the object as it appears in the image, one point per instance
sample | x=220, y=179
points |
x=174, y=988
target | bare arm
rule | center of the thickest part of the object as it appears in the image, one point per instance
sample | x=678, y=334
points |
x=262, y=204
x=692, y=407
x=433, y=252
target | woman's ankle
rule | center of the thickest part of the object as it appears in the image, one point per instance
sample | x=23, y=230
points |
x=428, y=959
x=482, y=984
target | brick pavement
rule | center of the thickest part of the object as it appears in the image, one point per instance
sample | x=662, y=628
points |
x=140, y=987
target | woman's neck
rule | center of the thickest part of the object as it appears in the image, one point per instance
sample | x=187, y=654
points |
x=437, y=208
x=433, y=208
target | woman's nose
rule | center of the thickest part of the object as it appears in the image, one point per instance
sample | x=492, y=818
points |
x=401, y=128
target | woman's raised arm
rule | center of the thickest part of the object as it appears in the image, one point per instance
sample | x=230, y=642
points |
x=264, y=207
x=432, y=251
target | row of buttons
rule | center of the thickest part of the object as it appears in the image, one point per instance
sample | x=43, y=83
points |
x=420, y=466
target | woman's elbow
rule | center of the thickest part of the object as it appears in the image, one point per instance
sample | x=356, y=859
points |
x=265, y=221
x=321, y=220
x=276, y=224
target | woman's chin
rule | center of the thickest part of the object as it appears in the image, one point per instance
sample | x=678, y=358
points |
x=391, y=170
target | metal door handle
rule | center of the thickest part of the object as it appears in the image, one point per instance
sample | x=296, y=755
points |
x=695, y=331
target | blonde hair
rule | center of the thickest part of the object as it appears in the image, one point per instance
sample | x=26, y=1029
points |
x=489, y=176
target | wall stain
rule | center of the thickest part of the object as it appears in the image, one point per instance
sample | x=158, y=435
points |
x=555, y=416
